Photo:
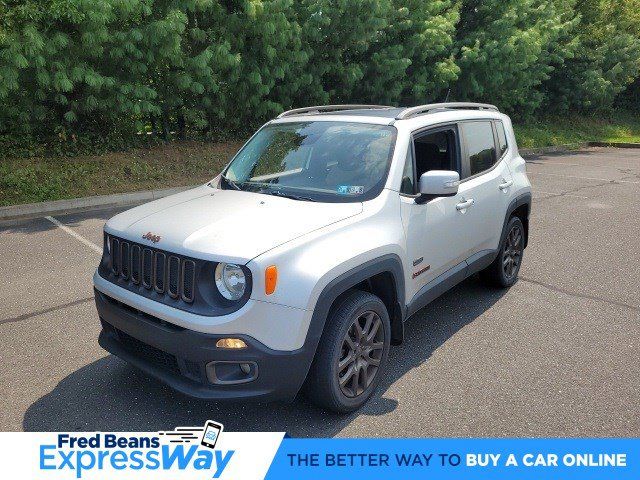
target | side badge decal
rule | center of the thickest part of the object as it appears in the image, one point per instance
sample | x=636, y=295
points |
x=421, y=271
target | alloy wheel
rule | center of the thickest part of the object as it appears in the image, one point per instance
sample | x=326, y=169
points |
x=512, y=252
x=360, y=354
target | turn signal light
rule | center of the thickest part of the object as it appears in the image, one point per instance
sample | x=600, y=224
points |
x=230, y=343
x=270, y=279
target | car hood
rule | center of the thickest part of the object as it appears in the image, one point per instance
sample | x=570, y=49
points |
x=225, y=225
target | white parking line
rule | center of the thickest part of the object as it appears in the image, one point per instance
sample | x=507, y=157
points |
x=584, y=178
x=75, y=235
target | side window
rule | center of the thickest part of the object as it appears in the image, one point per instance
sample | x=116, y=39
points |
x=435, y=151
x=502, y=138
x=408, y=178
x=481, y=149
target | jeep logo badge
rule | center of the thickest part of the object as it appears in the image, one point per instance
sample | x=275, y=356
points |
x=151, y=237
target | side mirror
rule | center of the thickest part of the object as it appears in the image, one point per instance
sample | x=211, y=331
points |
x=438, y=183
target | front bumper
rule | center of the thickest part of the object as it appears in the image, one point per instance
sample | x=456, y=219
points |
x=179, y=356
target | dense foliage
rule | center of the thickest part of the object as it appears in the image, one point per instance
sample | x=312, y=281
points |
x=80, y=75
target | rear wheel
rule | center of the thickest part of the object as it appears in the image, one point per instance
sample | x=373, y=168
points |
x=503, y=272
x=351, y=354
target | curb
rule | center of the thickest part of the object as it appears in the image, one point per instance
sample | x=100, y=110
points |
x=15, y=214
x=529, y=152
x=614, y=144
x=566, y=147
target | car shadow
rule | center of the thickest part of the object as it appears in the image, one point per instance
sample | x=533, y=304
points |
x=537, y=158
x=110, y=395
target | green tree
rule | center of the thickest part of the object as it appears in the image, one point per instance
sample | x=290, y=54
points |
x=507, y=48
x=410, y=61
x=57, y=72
x=607, y=57
x=337, y=36
x=266, y=73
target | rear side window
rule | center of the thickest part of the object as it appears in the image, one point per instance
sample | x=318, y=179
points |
x=502, y=138
x=481, y=148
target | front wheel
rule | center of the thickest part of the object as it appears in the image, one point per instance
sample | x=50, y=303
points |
x=351, y=354
x=503, y=272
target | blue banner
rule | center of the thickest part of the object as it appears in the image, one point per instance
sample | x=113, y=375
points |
x=485, y=459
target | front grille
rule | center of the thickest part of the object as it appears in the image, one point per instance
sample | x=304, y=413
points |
x=156, y=270
x=188, y=280
x=136, y=268
x=115, y=256
x=125, y=261
x=181, y=282
x=148, y=353
x=174, y=276
x=147, y=267
x=159, y=271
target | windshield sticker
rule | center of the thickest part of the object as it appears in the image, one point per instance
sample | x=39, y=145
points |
x=350, y=189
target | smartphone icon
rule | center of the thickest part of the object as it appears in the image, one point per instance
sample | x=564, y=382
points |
x=211, y=433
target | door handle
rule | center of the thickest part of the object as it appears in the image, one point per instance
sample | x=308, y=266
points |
x=465, y=204
x=506, y=184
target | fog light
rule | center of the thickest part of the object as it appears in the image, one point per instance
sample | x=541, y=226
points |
x=246, y=368
x=230, y=343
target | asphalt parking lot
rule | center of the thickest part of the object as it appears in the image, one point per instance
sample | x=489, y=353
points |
x=556, y=355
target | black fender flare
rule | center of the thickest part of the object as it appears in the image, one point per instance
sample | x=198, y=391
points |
x=524, y=199
x=387, y=263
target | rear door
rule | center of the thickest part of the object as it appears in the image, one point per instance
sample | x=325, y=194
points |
x=486, y=182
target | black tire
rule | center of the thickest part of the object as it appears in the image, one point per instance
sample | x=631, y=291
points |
x=503, y=271
x=323, y=385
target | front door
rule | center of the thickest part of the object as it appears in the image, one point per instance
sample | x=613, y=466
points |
x=438, y=232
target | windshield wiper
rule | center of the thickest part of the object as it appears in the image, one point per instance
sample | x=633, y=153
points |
x=231, y=183
x=293, y=196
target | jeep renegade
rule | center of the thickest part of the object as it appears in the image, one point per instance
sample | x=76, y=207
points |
x=297, y=266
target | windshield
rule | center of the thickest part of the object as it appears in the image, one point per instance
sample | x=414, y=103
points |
x=320, y=161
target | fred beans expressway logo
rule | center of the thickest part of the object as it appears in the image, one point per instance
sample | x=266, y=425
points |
x=183, y=449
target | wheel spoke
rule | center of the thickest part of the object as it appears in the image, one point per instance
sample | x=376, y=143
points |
x=364, y=377
x=368, y=323
x=372, y=361
x=517, y=240
x=349, y=341
x=358, y=329
x=374, y=330
x=345, y=362
x=347, y=376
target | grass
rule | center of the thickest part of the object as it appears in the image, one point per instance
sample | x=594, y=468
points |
x=623, y=127
x=27, y=180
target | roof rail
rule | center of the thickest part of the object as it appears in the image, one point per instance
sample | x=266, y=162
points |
x=419, y=110
x=330, y=108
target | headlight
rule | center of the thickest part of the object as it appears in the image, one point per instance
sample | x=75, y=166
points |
x=230, y=281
